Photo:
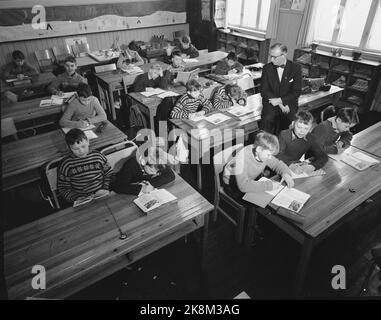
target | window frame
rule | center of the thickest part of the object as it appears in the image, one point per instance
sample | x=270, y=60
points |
x=365, y=35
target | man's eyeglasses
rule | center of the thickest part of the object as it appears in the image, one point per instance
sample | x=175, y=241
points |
x=274, y=57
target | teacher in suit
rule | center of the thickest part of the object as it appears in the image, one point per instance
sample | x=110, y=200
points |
x=281, y=87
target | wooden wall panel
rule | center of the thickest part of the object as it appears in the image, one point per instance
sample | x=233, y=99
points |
x=97, y=41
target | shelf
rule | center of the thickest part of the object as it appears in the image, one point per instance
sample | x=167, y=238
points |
x=357, y=90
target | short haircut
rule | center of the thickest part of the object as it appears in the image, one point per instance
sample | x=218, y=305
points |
x=75, y=136
x=186, y=39
x=305, y=117
x=232, y=56
x=18, y=55
x=176, y=53
x=348, y=115
x=267, y=141
x=133, y=46
x=234, y=90
x=193, y=85
x=71, y=59
x=84, y=90
x=282, y=47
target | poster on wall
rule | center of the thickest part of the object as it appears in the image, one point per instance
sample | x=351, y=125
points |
x=220, y=13
x=33, y=19
x=298, y=5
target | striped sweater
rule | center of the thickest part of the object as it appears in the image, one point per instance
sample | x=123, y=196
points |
x=220, y=99
x=81, y=177
x=186, y=105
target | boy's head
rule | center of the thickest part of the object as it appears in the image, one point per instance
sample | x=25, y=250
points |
x=18, y=58
x=78, y=143
x=186, y=41
x=155, y=71
x=302, y=124
x=193, y=88
x=266, y=145
x=346, y=118
x=176, y=58
x=278, y=53
x=231, y=58
x=84, y=92
x=70, y=65
x=133, y=46
x=234, y=91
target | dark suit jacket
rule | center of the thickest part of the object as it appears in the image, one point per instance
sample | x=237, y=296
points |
x=288, y=89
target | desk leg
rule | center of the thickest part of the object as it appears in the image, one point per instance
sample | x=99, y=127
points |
x=112, y=102
x=204, y=248
x=303, y=265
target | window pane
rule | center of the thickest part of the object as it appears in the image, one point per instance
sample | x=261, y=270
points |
x=326, y=15
x=250, y=13
x=374, y=41
x=234, y=12
x=265, y=11
x=353, y=22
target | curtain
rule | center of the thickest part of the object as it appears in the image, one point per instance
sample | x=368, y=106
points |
x=272, y=24
x=305, y=35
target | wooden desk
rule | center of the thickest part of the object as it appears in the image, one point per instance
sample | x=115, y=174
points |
x=111, y=81
x=333, y=197
x=80, y=246
x=368, y=140
x=83, y=62
x=40, y=80
x=22, y=160
x=149, y=105
x=23, y=111
x=314, y=100
x=206, y=59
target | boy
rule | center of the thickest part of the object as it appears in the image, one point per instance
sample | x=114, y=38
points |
x=129, y=56
x=191, y=104
x=177, y=65
x=85, y=110
x=242, y=171
x=229, y=65
x=154, y=78
x=18, y=68
x=333, y=135
x=82, y=173
x=296, y=141
x=226, y=96
x=67, y=81
x=187, y=48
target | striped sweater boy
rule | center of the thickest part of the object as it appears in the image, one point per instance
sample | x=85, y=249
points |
x=81, y=177
x=221, y=100
x=187, y=105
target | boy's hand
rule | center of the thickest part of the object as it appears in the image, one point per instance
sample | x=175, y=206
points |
x=59, y=93
x=146, y=187
x=288, y=179
x=339, y=146
x=296, y=167
x=83, y=124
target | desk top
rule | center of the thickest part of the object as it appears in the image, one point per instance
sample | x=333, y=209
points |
x=86, y=61
x=118, y=75
x=31, y=153
x=330, y=198
x=28, y=109
x=76, y=243
x=310, y=97
x=369, y=139
x=39, y=80
x=205, y=59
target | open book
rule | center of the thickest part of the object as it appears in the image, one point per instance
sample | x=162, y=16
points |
x=291, y=199
x=185, y=76
x=316, y=173
x=152, y=91
x=156, y=198
x=132, y=70
x=217, y=118
x=239, y=111
x=88, y=199
x=357, y=160
x=51, y=102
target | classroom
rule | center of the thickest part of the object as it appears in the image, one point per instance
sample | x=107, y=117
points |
x=190, y=150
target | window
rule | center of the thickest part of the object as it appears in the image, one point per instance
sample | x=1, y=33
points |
x=248, y=14
x=348, y=23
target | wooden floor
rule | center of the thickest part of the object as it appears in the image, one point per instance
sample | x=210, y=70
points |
x=265, y=270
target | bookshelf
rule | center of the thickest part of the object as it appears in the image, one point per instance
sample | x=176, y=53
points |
x=358, y=78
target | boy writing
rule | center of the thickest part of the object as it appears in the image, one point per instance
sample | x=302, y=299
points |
x=228, y=95
x=297, y=141
x=67, y=81
x=229, y=65
x=242, y=171
x=83, y=173
x=191, y=104
x=187, y=48
x=154, y=78
x=18, y=68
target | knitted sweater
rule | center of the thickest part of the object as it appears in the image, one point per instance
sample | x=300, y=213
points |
x=221, y=100
x=77, y=111
x=192, y=52
x=143, y=81
x=66, y=83
x=78, y=177
x=326, y=137
x=186, y=105
x=245, y=168
x=128, y=179
x=223, y=68
x=291, y=150
x=11, y=70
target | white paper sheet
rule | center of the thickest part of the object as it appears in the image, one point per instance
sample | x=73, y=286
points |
x=90, y=127
x=291, y=199
x=217, y=118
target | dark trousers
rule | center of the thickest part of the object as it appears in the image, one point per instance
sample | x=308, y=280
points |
x=274, y=120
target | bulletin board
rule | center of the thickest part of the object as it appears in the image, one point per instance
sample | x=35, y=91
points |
x=36, y=19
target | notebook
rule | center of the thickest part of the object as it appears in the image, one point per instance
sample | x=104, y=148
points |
x=155, y=199
x=291, y=199
x=151, y=92
x=357, y=160
x=217, y=118
x=185, y=76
